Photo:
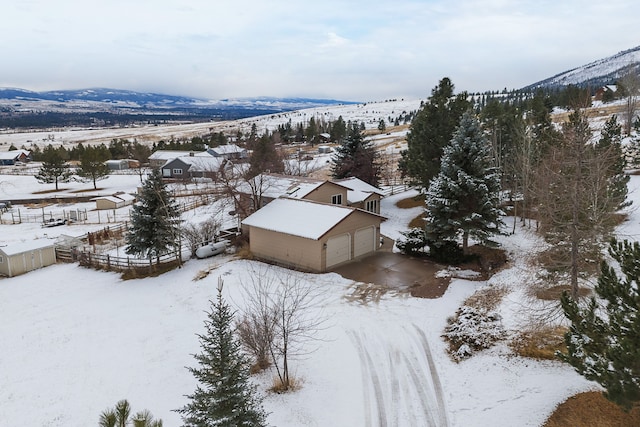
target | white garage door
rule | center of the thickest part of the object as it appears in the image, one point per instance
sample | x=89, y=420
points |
x=338, y=249
x=364, y=241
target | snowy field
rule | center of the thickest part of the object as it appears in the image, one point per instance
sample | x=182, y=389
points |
x=75, y=341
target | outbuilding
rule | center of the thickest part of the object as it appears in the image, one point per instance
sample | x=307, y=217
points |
x=114, y=202
x=22, y=257
x=311, y=236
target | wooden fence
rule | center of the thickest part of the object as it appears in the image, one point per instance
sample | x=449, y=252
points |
x=125, y=264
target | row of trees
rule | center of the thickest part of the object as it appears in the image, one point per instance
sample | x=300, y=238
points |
x=569, y=179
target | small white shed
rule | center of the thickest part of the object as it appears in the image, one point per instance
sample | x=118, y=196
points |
x=19, y=258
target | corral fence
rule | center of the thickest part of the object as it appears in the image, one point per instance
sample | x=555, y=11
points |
x=127, y=264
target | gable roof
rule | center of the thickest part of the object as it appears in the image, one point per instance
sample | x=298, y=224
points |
x=29, y=245
x=199, y=163
x=358, y=189
x=274, y=185
x=14, y=154
x=227, y=149
x=172, y=154
x=300, y=218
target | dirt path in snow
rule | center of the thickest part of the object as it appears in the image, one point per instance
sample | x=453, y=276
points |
x=400, y=382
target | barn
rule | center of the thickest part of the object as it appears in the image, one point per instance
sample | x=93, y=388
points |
x=311, y=236
x=19, y=258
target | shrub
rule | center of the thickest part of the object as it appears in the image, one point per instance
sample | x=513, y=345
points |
x=413, y=243
x=471, y=330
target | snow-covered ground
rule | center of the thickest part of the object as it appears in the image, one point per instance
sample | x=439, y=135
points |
x=74, y=341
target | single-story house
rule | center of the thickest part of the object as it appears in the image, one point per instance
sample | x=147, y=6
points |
x=266, y=187
x=186, y=168
x=311, y=236
x=159, y=157
x=12, y=157
x=116, y=165
x=228, y=151
x=114, y=202
x=361, y=194
x=20, y=258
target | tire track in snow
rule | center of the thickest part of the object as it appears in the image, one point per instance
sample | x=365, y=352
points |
x=406, y=375
x=370, y=379
x=435, y=379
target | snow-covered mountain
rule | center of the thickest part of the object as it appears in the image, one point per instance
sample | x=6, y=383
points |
x=101, y=99
x=597, y=73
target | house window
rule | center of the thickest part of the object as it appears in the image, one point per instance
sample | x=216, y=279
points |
x=336, y=199
x=372, y=206
x=177, y=171
x=1, y=259
x=166, y=172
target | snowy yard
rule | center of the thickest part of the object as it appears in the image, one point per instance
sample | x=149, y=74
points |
x=75, y=341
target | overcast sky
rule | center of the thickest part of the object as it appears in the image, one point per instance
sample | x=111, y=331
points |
x=349, y=50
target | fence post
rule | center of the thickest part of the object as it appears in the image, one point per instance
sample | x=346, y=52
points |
x=108, y=262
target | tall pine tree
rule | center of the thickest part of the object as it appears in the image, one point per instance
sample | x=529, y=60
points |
x=356, y=157
x=462, y=199
x=610, y=145
x=224, y=396
x=92, y=163
x=603, y=341
x=430, y=131
x=54, y=168
x=154, y=229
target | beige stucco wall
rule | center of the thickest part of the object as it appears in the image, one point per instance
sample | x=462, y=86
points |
x=286, y=249
x=306, y=254
x=324, y=192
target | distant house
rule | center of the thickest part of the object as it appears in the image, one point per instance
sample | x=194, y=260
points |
x=116, y=165
x=362, y=195
x=12, y=157
x=228, y=151
x=189, y=167
x=114, y=202
x=20, y=258
x=311, y=236
x=160, y=157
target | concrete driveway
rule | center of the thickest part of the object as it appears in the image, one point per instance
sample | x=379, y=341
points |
x=396, y=272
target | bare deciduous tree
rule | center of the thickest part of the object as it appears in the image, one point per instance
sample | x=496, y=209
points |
x=630, y=88
x=283, y=314
x=200, y=234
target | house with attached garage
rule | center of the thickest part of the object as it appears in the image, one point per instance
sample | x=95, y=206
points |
x=229, y=151
x=22, y=257
x=311, y=236
x=160, y=157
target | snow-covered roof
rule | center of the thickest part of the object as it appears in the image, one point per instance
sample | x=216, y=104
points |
x=201, y=163
x=26, y=246
x=13, y=154
x=301, y=218
x=227, y=149
x=126, y=197
x=274, y=186
x=172, y=154
x=358, y=190
x=113, y=199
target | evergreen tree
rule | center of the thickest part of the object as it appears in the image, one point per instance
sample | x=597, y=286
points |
x=430, y=131
x=53, y=169
x=610, y=145
x=463, y=198
x=338, y=130
x=356, y=157
x=154, y=229
x=265, y=158
x=92, y=163
x=224, y=397
x=603, y=341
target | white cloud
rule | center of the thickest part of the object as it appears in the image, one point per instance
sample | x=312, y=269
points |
x=345, y=50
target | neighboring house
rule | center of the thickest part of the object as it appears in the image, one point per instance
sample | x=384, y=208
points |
x=12, y=157
x=229, y=151
x=114, y=202
x=116, y=165
x=160, y=157
x=311, y=236
x=362, y=195
x=264, y=188
x=19, y=258
x=189, y=167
